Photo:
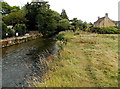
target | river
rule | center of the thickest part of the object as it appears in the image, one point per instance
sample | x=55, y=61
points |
x=21, y=65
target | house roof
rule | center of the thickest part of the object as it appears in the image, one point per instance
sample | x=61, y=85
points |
x=99, y=20
x=117, y=23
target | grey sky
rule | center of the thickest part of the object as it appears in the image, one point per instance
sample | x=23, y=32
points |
x=86, y=10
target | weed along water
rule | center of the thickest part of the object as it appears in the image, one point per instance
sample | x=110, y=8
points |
x=24, y=64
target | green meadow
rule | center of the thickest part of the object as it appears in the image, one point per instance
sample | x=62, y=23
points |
x=86, y=60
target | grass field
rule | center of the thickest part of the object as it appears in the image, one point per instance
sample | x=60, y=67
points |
x=87, y=60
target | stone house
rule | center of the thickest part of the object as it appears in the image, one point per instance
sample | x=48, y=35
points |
x=106, y=22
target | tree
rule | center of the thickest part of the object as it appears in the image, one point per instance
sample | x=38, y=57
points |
x=64, y=15
x=75, y=23
x=85, y=26
x=45, y=20
x=32, y=11
x=63, y=24
x=15, y=8
x=20, y=29
x=40, y=22
x=4, y=30
x=11, y=33
x=80, y=25
x=6, y=9
x=15, y=18
x=51, y=20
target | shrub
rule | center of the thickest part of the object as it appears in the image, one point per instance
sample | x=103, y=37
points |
x=4, y=30
x=63, y=24
x=60, y=37
x=95, y=30
x=109, y=30
x=20, y=29
x=105, y=30
x=11, y=33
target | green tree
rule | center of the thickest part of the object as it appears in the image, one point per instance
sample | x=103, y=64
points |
x=64, y=24
x=15, y=8
x=15, y=18
x=4, y=30
x=51, y=20
x=64, y=14
x=40, y=17
x=80, y=25
x=32, y=11
x=84, y=26
x=20, y=29
x=76, y=23
x=11, y=33
x=6, y=9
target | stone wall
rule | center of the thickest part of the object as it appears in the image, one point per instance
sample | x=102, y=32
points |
x=18, y=40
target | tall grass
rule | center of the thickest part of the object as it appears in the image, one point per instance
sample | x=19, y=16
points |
x=87, y=60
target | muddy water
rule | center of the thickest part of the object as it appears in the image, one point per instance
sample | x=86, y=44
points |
x=21, y=64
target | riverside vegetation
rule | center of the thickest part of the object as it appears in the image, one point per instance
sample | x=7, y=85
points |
x=87, y=60
x=32, y=16
x=39, y=17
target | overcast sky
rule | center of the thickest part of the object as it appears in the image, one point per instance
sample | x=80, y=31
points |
x=86, y=10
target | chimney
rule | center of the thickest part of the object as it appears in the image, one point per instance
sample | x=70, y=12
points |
x=106, y=15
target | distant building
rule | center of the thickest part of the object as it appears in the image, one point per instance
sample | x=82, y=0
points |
x=106, y=22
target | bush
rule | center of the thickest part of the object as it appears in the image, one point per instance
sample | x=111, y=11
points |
x=4, y=30
x=60, y=37
x=63, y=24
x=11, y=33
x=109, y=30
x=94, y=29
x=105, y=30
x=20, y=29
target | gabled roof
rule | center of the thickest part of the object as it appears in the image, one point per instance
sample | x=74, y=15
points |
x=117, y=23
x=99, y=20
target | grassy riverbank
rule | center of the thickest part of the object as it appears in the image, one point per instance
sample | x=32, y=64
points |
x=87, y=60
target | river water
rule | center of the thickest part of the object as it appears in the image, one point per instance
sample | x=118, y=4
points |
x=21, y=64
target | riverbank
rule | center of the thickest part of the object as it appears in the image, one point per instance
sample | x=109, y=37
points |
x=24, y=64
x=18, y=40
x=87, y=60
